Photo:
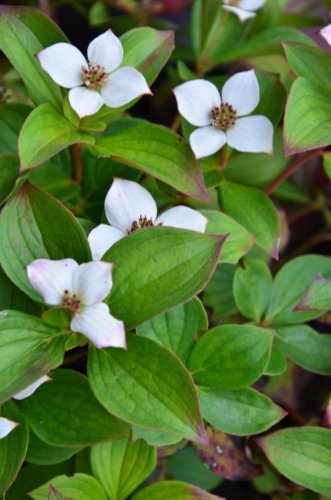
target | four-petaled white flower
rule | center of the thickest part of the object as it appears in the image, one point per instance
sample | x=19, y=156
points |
x=81, y=290
x=98, y=81
x=201, y=104
x=244, y=9
x=6, y=425
x=326, y=33
x=129, y=207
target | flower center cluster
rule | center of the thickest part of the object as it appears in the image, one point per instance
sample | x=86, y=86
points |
x=142, y=222
x=94, y=76
x=70, y=302
x=223, y=117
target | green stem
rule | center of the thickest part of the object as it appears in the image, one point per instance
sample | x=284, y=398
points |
x=77, y=163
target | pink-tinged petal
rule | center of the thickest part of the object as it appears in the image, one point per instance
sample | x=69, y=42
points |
x=102, y=238
x=106, y=50
x=51, y=278
x=92, y=282
x=64, y=63
x=196, y=99
x=84, y=101
x=326, y=33
x=6, y=426
x=28, y=391
x=126, y=202
x=243, y=15
x=124, y=85
x=242, y=92
x=206, y=141
x=183, y=218
x=252, y=134
x=98, y=325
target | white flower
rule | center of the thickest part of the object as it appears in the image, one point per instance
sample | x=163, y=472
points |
x=201, y=104
x=30, y=389
x=98, y=81
x=80, y=289
x=326, y=33
x=244, y=9
x=129, y=207
x=6, y=426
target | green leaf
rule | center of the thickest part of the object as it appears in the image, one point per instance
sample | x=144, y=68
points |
x=306, y=348
x=45, y=133
x=154, y=438
x=23, y=33
x=255, y=211
x=12, y=298
x=78, y=486
x=35, y=225
x=272, y=99
x=307, y=122
x=290, y=285
x=40, y=453
x=214, y=358
x=122, y=466
x=177, y=328
x=12, y=116
x=155, y=150
x=303, y=455
x=239, y=241
x=241, y=413
x=66, y=413
x=28, y=349
x=310, y=62
x=176, y=490
x=13, y=447
x=218, y=294
x=9, y=172
x=252, y=288
x=156, y=391
x=163, y=267
x=186, y=466
x=317, y=297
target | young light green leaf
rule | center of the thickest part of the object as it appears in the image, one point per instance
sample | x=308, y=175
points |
x=307, y=348
x=239, y=241
x=122, y=466
x=24, y=32
x=255, y=211
x=307, y=122
x=290, y=285
x=163, y=267
x=155, y=150
x=149, y=395
x=310, y=62
x=35, y=225
x=252, y=288
x=214, y=358
x=317, y=297
x=241, y=413
x=13, y=447
x=28, y=349
x=303, y=455
x=177, y=328
x=176, y=490
x=45, y=133
x=66, y=413
x=79, y=486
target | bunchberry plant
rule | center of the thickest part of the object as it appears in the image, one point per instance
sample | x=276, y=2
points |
x=165, y=271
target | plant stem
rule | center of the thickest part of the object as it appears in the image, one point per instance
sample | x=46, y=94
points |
x=291, y=168
x=176, y=123
x=77, y=164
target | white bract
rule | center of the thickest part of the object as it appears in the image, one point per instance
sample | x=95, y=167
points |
x=97, y=81
x=130, y=207
x=326, y=33
x=80, y=289
x=244, y=9
x=201, y=104
x=6, y=425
